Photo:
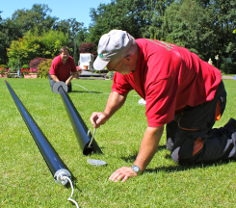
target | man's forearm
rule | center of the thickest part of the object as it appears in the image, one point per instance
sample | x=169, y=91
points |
x=73, y=75
x=54, y=78
x=114, y=102
x=148, y=147
x=69, y=79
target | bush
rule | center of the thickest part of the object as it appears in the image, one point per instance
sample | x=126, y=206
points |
x=24, y=70
x=228, y=66
x=87, y=48
x=34, y=63
x=3, y=70
x=25, y=66
x=43, y=68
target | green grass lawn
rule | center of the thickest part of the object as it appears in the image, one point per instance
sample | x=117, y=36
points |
x=27, y=182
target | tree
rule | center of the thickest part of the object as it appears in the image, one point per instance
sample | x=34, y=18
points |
x=186, y=24
x=120, y=14
x=75, y=31
x=2, y=38
x=141, y=18
x=225, y=23
x=21, y=22
x=75, y=27
x=222, y=23
x=21, y=51
x=51, y=42
x=153, y=14
x=36, y=18
x=8, y=32
x=32, y=45
x=203, y=26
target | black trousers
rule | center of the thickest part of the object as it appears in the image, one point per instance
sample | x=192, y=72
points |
x=194, y=140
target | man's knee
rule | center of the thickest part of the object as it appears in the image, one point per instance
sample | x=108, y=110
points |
x=188, y=152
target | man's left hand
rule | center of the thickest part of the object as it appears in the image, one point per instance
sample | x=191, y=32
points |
x=122, y=174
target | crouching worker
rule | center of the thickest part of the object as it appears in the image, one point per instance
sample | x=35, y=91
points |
x=63, y=69
x=181, y=91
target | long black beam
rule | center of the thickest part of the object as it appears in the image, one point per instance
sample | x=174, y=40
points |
x=55, y=164
x=84, y=136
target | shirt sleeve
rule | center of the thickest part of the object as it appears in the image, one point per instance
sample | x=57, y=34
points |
x=120, y=84
x=160, y=102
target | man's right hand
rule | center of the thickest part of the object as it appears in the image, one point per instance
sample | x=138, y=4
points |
x=98, y=118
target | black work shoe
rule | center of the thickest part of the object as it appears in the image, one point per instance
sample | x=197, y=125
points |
x=230, y=126
x=227, y=129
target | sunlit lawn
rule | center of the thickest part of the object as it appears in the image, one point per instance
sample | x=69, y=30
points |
x=27, y=182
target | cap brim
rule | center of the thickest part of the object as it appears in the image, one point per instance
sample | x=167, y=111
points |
x=99, y=64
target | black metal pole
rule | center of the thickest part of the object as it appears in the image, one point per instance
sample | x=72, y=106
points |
x=84, y=136
x=52, y=159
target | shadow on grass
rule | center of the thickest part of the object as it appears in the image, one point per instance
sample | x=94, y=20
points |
x=84, y=91
x=131, y=158
x=176, y=167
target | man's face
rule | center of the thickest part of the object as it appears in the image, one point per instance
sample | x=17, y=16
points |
x=64, y=55
x=125, y=65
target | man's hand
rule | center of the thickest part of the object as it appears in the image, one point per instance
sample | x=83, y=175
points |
x=76, y=74
x=69, y=80
x=98, y=118
x=122, y=174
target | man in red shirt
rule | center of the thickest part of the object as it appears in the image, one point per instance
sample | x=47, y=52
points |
x=181, y=90
x=63, y=69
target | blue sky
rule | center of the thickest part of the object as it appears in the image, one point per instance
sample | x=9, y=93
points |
x=78, y=9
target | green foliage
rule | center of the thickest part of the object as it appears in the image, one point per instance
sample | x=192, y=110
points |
x=75, y=31
x=33, y=45
x=36, y=18
x=184, y=25
x=228, y=64
x=3, y=66
x=51, y=42
x=25, y=66
x=141, y=18
x=37, y=21
x=43, y=68
x=27, y=182
x=205, y=27
x=23, y=50
x=14, y=29
x=3, y=69
x=130, y=15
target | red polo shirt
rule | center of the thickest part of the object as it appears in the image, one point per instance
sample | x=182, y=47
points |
x=169, y=78
x=62, y=71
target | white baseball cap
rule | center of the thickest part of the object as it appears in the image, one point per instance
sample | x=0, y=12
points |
x=112, y=45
